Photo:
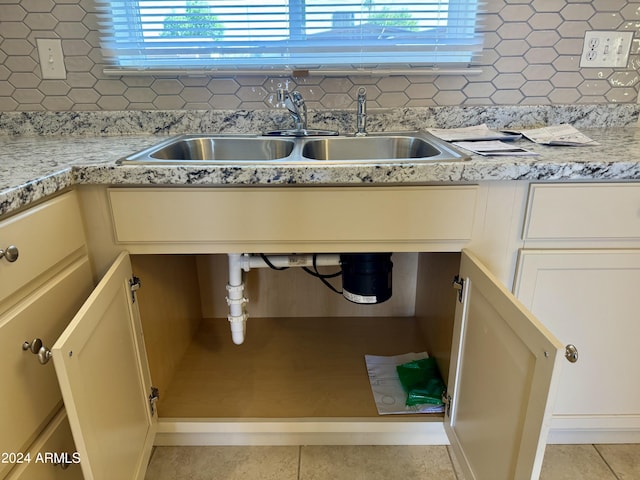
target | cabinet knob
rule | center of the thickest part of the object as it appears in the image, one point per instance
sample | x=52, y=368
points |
x=63, y=464
x=571, y=353
x=37, y=348
x=10, y=253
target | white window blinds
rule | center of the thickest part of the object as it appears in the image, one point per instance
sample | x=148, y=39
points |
x=288, y=34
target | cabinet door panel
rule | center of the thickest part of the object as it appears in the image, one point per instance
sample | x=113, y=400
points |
x=588, y=298
x=104, y=378
x=31, y=394
x=501, y=380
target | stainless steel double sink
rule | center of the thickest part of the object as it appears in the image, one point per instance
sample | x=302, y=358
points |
x=255, y=149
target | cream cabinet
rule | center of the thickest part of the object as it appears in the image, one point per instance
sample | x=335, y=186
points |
x=53, y=456
x=578, y=273
x=499, y=361
x=101, y=363
x=162, y=220
x=41, y=289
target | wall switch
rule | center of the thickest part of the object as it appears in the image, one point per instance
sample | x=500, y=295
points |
x=51, y=58
x=606, y=49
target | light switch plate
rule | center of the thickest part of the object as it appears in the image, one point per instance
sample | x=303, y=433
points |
x=51, y=58
x=606, y=49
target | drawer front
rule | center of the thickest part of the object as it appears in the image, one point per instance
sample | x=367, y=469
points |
x=44, y=235
x=583, y=211
x=274, y=215
x=30, y=390
x=52, y=448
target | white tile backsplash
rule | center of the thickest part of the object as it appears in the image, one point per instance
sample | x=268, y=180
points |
x=531, y=56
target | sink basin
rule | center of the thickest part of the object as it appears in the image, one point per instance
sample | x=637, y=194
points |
x=369, y=148
x=214, y=149
x=386, y=147
x=255, y=150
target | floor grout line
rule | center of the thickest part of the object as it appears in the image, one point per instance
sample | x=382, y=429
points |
x=605, y=462
x=299, y=461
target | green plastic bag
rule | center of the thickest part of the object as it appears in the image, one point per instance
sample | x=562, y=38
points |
x=422, y=381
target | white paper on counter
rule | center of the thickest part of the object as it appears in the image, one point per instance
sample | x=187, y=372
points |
x=477, y=132
x=494, y=147
x=563, y=135
x=387, y=390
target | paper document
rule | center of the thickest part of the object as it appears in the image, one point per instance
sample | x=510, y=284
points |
x=558, y=135
x=477, y=132
x=494, y=147
x=387, y=390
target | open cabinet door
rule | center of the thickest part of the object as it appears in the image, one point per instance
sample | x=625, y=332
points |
x=104, y=378
x=501, y=381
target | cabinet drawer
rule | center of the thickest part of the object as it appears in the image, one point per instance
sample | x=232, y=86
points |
x=30, y=390
x=44, y=235
x=583, y=211
x=285, y=215
x=55, y=445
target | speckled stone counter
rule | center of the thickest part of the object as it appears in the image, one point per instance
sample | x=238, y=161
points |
x=41, y=154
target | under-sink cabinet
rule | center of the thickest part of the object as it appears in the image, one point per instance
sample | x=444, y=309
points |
x=576, y=269
x=146, y=356
x=115, y=356
x=578, y=273
x=500, y=372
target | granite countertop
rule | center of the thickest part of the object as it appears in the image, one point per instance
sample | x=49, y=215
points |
x=35, y=166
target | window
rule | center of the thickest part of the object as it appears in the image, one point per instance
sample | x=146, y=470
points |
x=288, y=34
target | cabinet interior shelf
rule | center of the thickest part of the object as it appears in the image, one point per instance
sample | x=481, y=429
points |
x=287, y=368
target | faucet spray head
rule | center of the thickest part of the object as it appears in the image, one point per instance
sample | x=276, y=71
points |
x=361, y=116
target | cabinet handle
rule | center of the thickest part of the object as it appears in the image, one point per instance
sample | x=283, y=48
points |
x=10, y=253
x=37, y=348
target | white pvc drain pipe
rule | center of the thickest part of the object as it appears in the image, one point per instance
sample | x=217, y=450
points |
x=239, y=262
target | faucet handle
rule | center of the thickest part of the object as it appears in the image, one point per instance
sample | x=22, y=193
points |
x=298, y=109
x=296, y=97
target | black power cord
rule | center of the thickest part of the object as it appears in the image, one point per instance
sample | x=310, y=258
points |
x=314, y=273
x=269, y=264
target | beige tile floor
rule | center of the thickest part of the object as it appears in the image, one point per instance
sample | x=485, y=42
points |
x=562, y=462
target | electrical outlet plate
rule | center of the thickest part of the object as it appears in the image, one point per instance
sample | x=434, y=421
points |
x=51, y=58
x=606, y=49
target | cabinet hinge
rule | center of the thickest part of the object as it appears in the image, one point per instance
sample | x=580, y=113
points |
x=447, y=400
x=458, y=284
x=134, y=286
x=153, y=399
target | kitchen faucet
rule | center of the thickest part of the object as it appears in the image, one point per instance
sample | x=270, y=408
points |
x=298, y=110
x=361, y=118
x=296, y=106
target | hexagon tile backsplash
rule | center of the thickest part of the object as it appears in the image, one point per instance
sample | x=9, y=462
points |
x=531, y=56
